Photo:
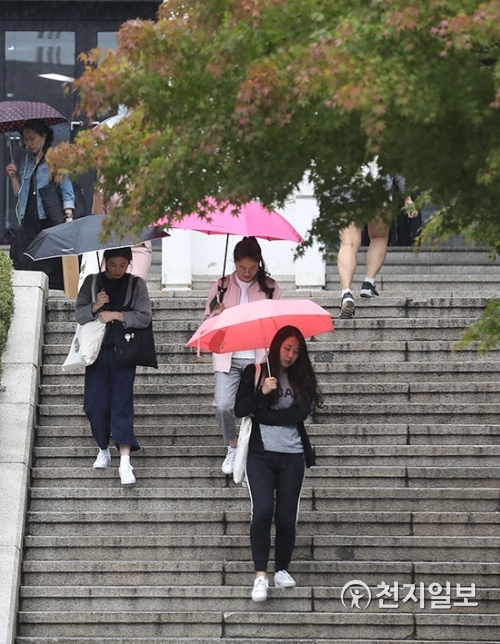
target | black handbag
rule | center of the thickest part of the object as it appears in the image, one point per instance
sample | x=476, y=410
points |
x=135, y=346
x=53, y=204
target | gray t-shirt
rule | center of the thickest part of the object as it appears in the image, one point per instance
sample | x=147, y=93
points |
x=279, y=438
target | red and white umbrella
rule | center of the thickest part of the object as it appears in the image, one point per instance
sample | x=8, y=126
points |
x=254, y=325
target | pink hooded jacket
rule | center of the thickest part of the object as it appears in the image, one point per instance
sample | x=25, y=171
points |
x=232, y=296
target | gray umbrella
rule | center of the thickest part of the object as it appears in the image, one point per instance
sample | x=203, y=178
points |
x=82, y=236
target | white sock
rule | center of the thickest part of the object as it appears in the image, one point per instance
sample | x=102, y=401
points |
x=104, y=451
x=125, y=459
x=370, y=279
x=344, y=291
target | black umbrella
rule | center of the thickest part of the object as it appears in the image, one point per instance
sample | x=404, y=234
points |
x=82, y=236
x=14, y=114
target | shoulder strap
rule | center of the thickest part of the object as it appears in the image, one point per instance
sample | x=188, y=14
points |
x=128, y=305
x=257, y=375
x=94, y=287
x=221, y=288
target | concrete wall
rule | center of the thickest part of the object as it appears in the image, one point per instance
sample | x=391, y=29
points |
x=18, y=398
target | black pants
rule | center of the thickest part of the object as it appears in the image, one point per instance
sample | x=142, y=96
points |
x=108, y=400
x=268, y=473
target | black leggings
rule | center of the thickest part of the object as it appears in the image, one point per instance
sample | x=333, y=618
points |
x=266, y=473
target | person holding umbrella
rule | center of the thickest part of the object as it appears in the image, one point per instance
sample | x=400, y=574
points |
x=279, y=450
x=26, y=179
x=249, y=282
x=109, y=385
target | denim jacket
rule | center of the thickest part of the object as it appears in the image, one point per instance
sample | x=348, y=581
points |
x=26, y=168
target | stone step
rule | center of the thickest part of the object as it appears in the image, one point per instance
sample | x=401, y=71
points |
x=432, y=261
x=380, y=455
x=131, y=598
x=234, y=625
x=359, y=329
x=242, y=640
x=104, y=624
x=156, y=598
x=189, y=413
x=201, y=548
x=324, y=434
x=163, y=499
x=236, y=522
x=216, y=640
x=420, y=285
x=395, y=350
x=202, y=372
x=232, y=573
x=227, y=547
x=190, y=311
x=319, y=476
x=416, y=392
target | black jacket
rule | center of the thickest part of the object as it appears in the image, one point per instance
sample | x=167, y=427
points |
x=251, y=401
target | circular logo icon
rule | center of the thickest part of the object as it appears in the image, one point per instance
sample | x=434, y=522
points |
x=356, y=594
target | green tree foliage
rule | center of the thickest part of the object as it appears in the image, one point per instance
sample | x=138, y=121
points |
x=6, y=300
x=241, y=99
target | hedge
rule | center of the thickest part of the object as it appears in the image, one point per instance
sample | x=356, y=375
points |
x=6, y=301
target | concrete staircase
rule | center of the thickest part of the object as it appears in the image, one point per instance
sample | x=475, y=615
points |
x=405, y=493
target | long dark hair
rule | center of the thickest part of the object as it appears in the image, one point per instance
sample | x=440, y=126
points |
x=301, y=374
x=41, y=128
x=249, y=248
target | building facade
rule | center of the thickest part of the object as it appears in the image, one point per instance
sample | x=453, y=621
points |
x=40, y=43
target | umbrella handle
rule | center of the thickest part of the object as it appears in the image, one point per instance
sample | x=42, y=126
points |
x=222, y=290
x=10, y=148
x=268, y=367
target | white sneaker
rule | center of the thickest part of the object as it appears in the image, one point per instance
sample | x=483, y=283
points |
x=103, y=459
x=282, y=579
x=126, y=474
x=260, y=588
x=228, y=464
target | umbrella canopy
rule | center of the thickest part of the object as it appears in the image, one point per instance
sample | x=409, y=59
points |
x=113, y=120
x=14, y=114
x=254, y=325
x=82, y=236
x=249, y=220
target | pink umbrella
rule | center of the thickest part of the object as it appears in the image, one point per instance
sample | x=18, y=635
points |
x=253, y=325
x=251, y=219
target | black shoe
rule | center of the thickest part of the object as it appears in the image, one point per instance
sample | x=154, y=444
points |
x=368, y=290
x=347, y=306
